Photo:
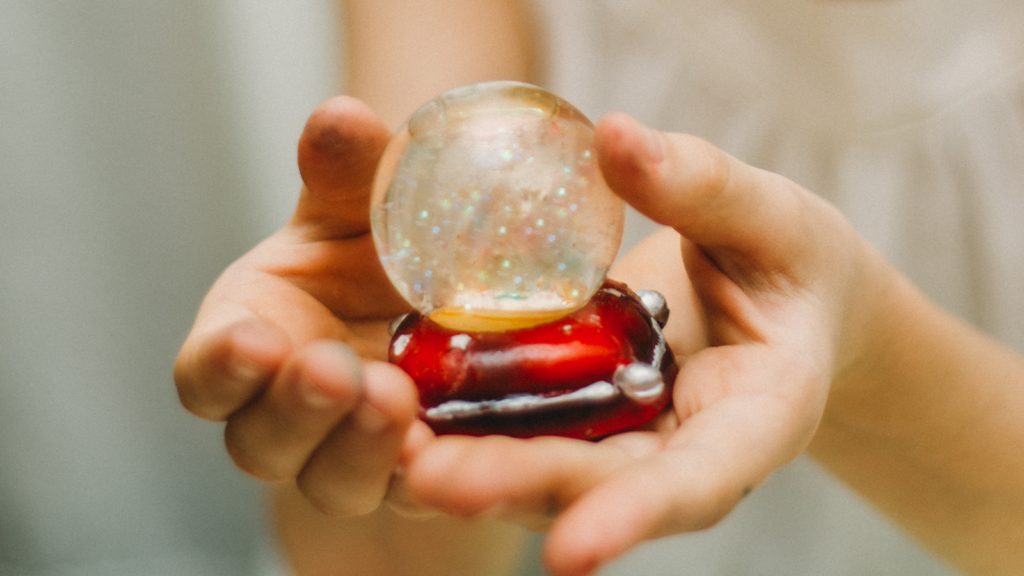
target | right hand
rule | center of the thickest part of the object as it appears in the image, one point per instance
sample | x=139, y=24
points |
x=288, y=343
x=784, y=294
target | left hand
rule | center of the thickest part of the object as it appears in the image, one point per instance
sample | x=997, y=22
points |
x=288, y=345
x=774, y=272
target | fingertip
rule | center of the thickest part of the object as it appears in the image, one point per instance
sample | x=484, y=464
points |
x=333, y=119
x=259, y=342
x=574, y=550
x=340, y=144
x=419, y=437
x=605, y=523
x=220, y=372
x=390, y=390
x=622, y=132
x=400, y=496
x=451, y=475
x=430, y=465
x=675, y=179
x=628, y=152
x=337, y=154
x=272, y=437
x=569, y=551
x=351, y=472
x=328, y=374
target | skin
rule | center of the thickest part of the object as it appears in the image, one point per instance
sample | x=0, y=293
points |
x=796, y=335
x=402, y=53
x=286, y=351
x=814, y=341
x=286, y=346
x=745, y=405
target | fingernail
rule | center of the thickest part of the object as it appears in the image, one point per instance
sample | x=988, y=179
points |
x=369, y=420
x=250, y=342
x=355, y=363
x=315, y=396
x=245, y=369
x=330, y=361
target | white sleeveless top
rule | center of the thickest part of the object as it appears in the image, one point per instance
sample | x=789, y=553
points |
x=907, y=114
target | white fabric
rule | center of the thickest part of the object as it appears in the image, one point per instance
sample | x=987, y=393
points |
x=908, y=114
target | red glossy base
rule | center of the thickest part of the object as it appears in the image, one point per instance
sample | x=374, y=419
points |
x=545, y=361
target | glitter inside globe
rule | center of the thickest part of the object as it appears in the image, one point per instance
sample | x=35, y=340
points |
x=489, y=211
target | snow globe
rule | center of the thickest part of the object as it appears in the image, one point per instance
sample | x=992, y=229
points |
x=492, y=219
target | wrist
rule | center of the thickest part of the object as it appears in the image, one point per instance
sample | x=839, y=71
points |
x=872, y=325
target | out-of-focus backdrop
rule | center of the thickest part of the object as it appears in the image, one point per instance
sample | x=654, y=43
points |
x=143, y=146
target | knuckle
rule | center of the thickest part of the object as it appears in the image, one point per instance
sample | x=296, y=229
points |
x=713, y=169
x=210, y=384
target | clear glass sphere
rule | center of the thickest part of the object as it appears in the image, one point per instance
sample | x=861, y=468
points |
x=490, y=204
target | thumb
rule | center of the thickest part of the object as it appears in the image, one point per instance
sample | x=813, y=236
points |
x=338, y=154
x=726, y=207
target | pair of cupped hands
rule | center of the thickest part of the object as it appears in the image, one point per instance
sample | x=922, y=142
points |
x=762, y=278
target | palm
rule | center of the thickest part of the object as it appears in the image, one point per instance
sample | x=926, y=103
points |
x=754, y=330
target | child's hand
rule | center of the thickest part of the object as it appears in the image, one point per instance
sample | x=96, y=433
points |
x=776, y=274
x=283, y=344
